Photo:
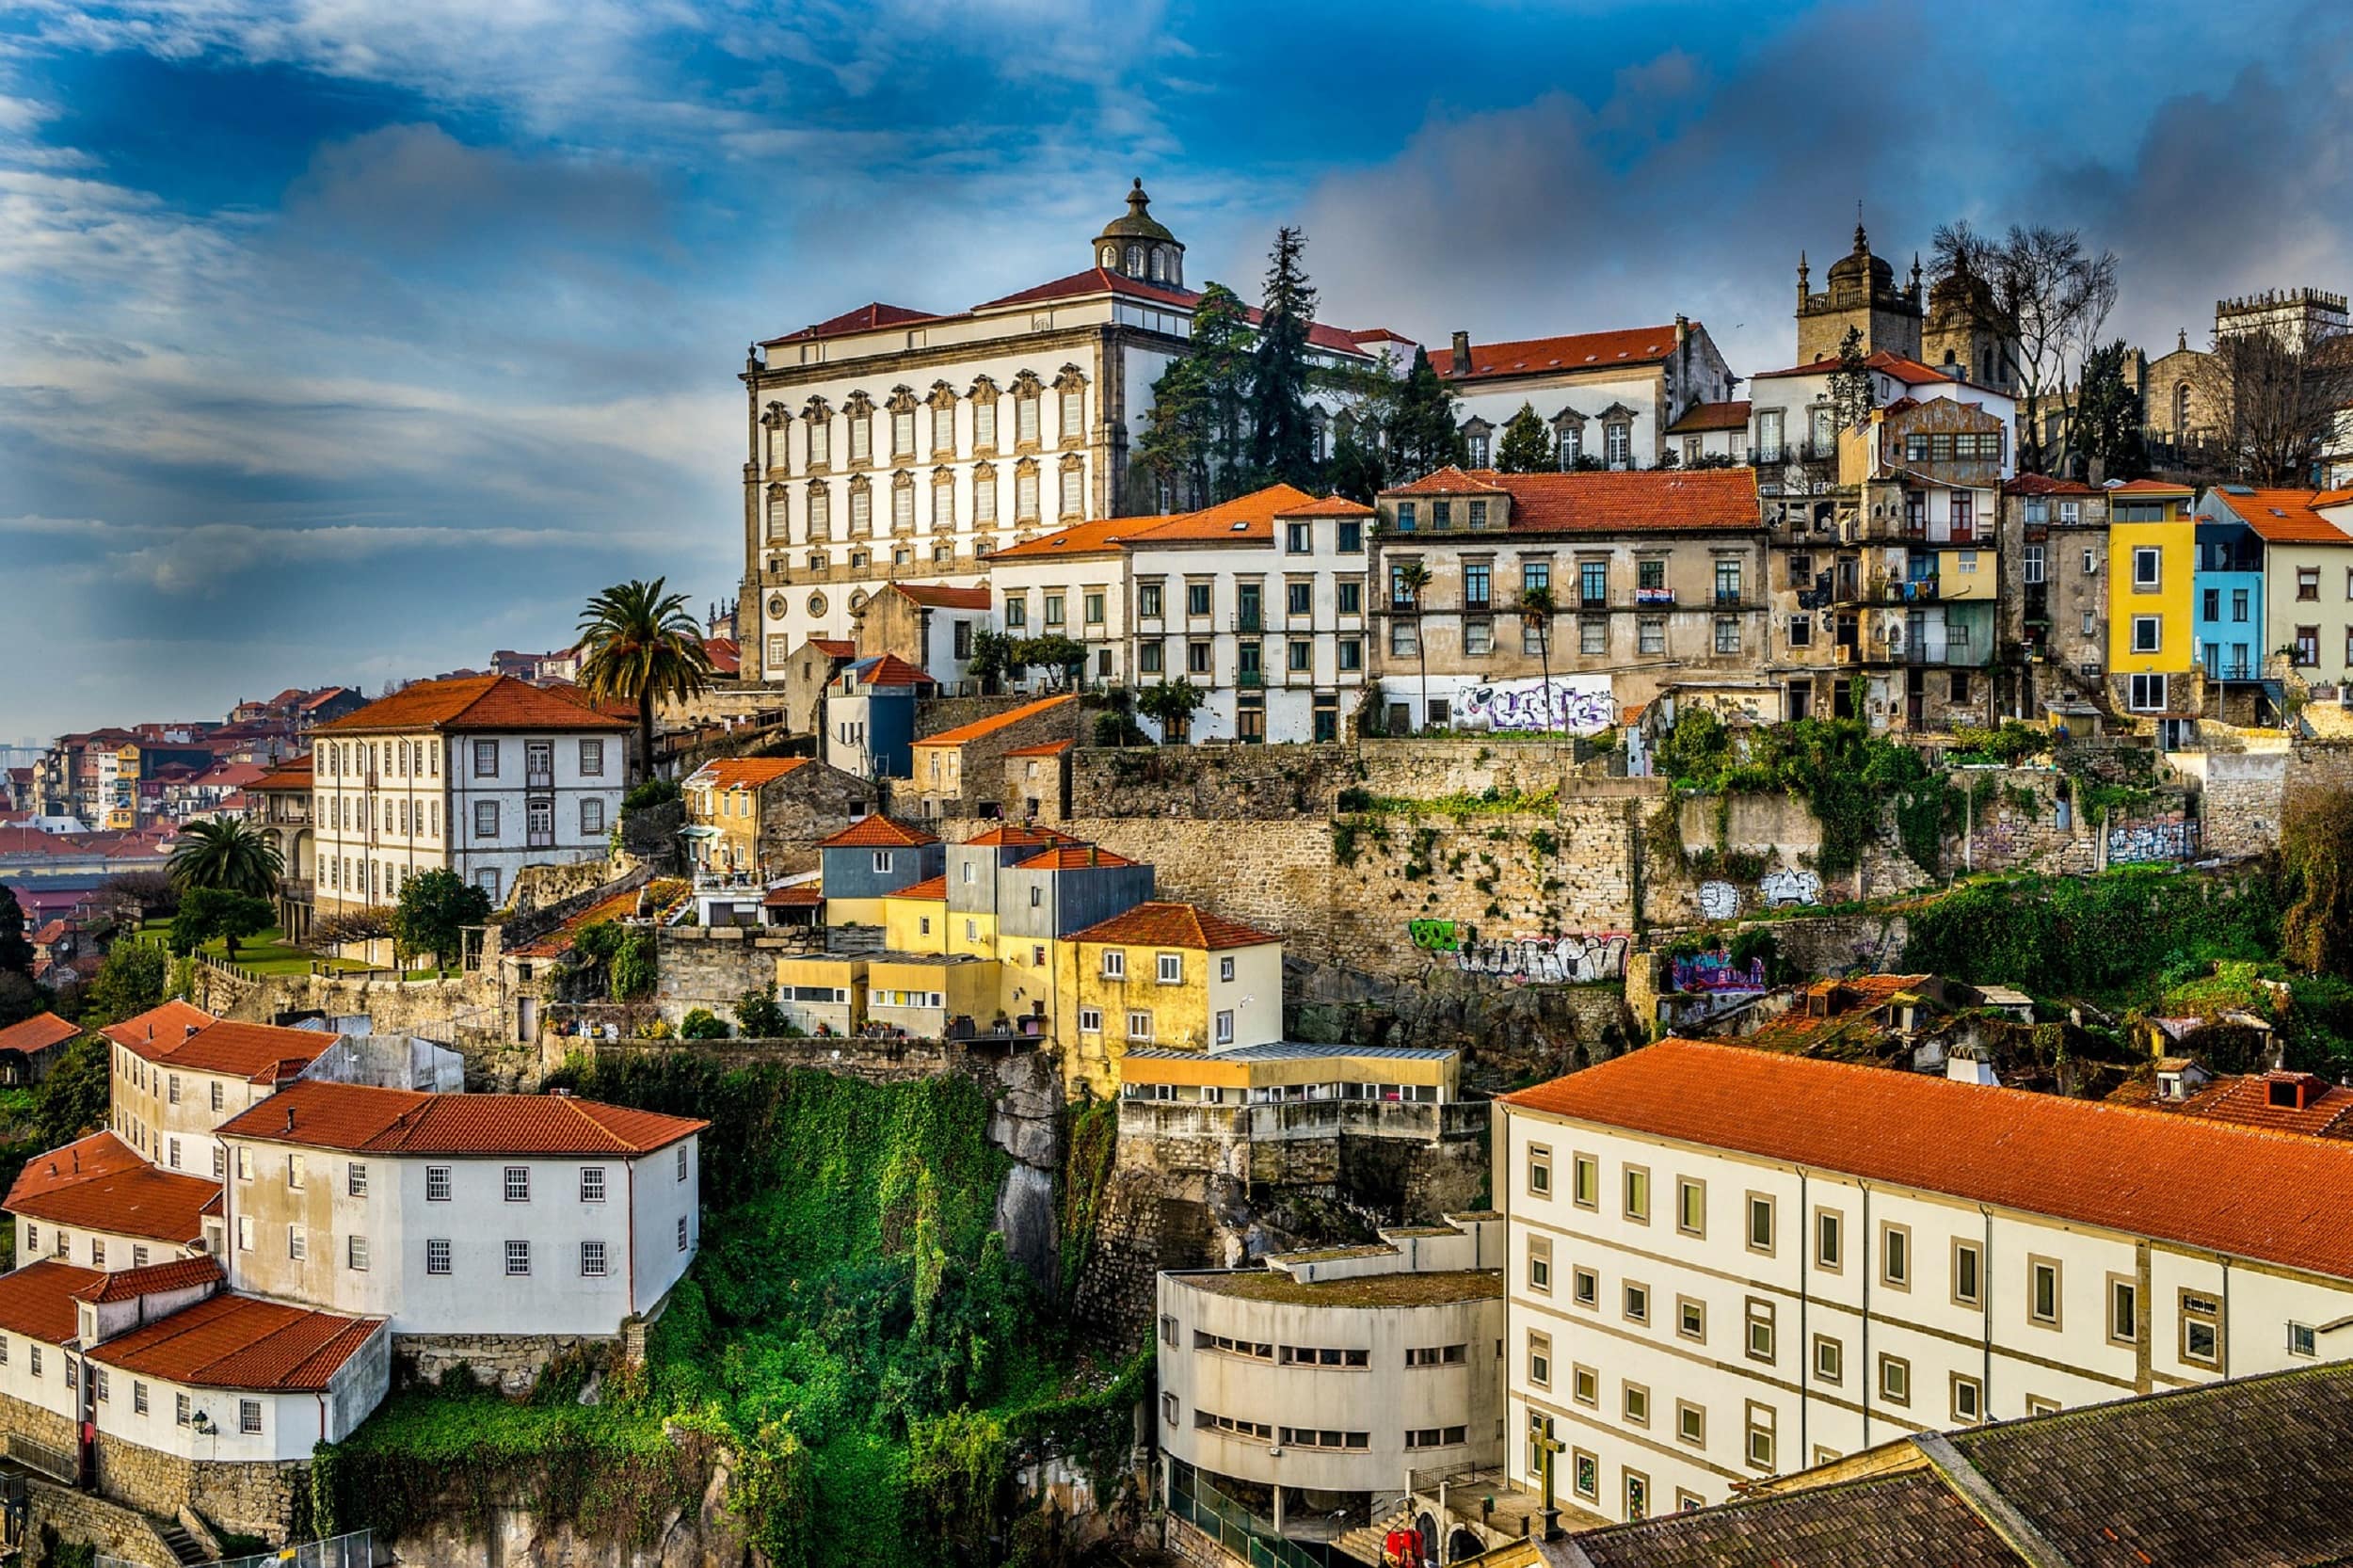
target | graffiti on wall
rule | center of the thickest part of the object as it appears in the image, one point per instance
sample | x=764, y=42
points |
x=1580, y=704
x=1718, y=900
x=1556, y=960
x=1789, y=885
x=1716, y=971
x=2140, y=843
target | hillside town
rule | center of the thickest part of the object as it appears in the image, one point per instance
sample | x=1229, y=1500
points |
x=1548, y=951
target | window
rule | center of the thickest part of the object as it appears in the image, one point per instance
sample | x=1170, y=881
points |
x=1114, y=964
x=591, y=816
x=592, y=1259
x=437, y=1184
x=356, y=1254
x=1592, y=635
x=1968, y=1400
x=1139, y=1025
x=1539, y=1265
x=1896, y=1256
x=1691, y=1424
x=2148, y=560
x=1650, y=633
x=2042, y=1291
x=682, y=1233
x=1690, y=1207
x=1435, y=1437
x=1691, y=1320
x=592, y=758
x=1895, y=1379
x=592, y=1184
x=139, y=1397
x=2145, y=694
x=2303, y=1341
x=1585, y=1287
x=356, y=1180
x=1760, y=1224
x=2037, y=1405
x=517, y=1257
x=1539, y=1359
x=1539, y=1170
x=1225, y=969
x=2307, y=582
x=35, y=1360
x=249, y=1418
x=1320, y=1355
x=245, y=1233
x=1636, y=1404
x=518, y=1184
x=2202, y=1329
x=1727, y=634
x=1637, y=1303
x=436, y=1255
x=1171, y=969
x=1090, y=1021
x=1222, y=1026
x=173, y=1096
x=1638, y=1195
x=1636, y=1483
x=1436, y=1355
x=486, y=819
x=216, y=1096
x=1830, y=1240
x=2149, y=631
x=1761, y=1427
x=2031, y=563
x=2307, y=645
x=1759, y=1344
x=1584, y=1473
x=1830, y=1359
x=297, y=1243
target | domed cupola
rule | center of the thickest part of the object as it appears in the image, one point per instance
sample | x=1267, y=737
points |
x=1139, y=246
x=1858, y=273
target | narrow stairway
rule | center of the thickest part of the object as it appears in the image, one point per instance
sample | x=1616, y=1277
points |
x=182, y=1545
x=1363, y=1542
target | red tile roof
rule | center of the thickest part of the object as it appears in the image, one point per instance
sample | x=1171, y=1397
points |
x=2148, y=486
x=726, y=654
x=877, y=832
x=1103, y=534
x=1448, y=480
x=981, y=729
x=931, y=889
x=1244, y=519
x=157, y=1026
x=1646, y=501
x=472, y=702
x=834, y=648
x=1069, y=858
x=1578, y=351
x=889, y=670
x=407, y=1121
x=259, y=1053
x=2277, y=1198
x=1902, y=367
x=294, y=774
x=1174, y=925
x=1021, y=835
x=2247, y=1101
x=2042, y=484
x=1051, y=748
x=939, y=596
x=37, y=1300
x=866, y=318
x=621, y=905
x=743, y=773
x=101, y=1183
x=1095, y=280
x=229, y=1341
x=124, y=1285
x=1328, y=507
x=2280, y=516
x=38, y=1033
x=800, y=895
x=1712, y=416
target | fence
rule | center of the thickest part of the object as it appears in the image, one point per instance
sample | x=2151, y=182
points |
x=1233, y=1526
x=56, y=1464
x=356, y=1550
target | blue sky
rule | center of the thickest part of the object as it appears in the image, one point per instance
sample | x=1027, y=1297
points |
x=347, y=340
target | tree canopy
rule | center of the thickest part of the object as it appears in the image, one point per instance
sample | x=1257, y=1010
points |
x=1527, y=444
x=229, y=855
x=435, y=909
x=209, y=912
x=640, y=644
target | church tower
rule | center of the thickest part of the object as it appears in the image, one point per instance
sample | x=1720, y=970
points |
x=1862, y=294
x=1139, y=246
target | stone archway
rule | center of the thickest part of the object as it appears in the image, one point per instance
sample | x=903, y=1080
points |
x=1462, y=1545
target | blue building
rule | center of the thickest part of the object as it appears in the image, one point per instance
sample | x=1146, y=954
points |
x=2227, y=605
x=870, y=717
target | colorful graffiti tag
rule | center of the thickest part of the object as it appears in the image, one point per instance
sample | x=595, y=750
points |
x=1580, y=704
x=1556, y=960
x=2141, y=842
x=1716, y=971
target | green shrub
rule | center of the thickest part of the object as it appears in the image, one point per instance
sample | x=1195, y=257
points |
x=700, y=1023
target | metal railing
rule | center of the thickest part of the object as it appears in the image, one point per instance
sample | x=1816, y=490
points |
x=355, y=1550
x=56, y=1464
x=1233, y=1526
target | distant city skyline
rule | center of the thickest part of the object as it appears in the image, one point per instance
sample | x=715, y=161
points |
x=347, y=344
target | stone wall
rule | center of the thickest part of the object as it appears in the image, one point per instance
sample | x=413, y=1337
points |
x=85, y=1518
x=713, y=966
x=249, y=1498
x=949, y=713
x=511, y=1361
x=1270, y=782
x=471, y=1012
x=708, y=1535
x=538, y=887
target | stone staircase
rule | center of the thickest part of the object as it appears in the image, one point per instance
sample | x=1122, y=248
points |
x=182, y=1545
x=1363, y=1542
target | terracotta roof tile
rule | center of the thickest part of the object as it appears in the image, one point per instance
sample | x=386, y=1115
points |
x=725, y=655
x=406, y=1121
x=866, y=318
x=1246, y=519
x=939, y=596
x=1909, y=1517
x=1072, y=857
x=2148, y=487
x=981, y=729
x=1328, y=507
x=1021, y=835
x=621, y=905
x=877, y=832
x=38, y=1033
x=1174, y=925
x=1733, y=415
x=228, y=1341
x=800, y=895
x=889, y=669
x=1103, y=534
x=834, y=648
x=261, y=1053
x=472, y=702
x=1647, y=500
x=931, y=890
x=1448, y=480
x=102, y=1183
x=157, y=1026
x=1551, y=356
x=2280, y=516
x=2273, y=1197
x=124, y=1285
x=1051, y=748
x=2042, y=484
x=294, y=774
x=37, y=1300
x=743, y=773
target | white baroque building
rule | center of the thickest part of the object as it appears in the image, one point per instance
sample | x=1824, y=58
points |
x=1727, y=1263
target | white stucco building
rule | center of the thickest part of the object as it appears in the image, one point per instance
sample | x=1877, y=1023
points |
x=1727, y=1263
x=462, y=1214
x=1608, y=398
x=482, y=775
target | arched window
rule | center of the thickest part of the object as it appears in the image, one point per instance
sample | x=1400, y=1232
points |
x=2180, y=410
x=1111, y=255
x=1135, y=261
x=1159, y=264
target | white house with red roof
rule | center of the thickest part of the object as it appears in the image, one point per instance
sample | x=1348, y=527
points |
x=178, y=1073
x=1607, y=397
x=481, y=775
x=890, y=442
x=98, y=1203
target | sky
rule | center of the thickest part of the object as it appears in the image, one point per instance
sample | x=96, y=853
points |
x=346, y=340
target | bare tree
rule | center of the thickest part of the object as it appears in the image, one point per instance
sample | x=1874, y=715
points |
x=2277, y=400
x=2050, y=300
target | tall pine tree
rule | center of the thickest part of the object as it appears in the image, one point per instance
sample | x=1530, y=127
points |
x=1424, y=434
x=1194, y=444
x=1282, y=442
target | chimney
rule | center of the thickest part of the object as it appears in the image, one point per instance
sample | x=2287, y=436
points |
x=1461, y=353
x=1683, y=329
x=290, y=1118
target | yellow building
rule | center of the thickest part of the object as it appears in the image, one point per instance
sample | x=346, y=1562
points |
x=915, y=919
x=1163, y=974
x=1289, y=1071
x=2152, y=566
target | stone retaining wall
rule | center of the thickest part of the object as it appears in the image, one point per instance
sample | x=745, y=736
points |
x=249, y=1498
x=511, y=1361
x=85, y=1518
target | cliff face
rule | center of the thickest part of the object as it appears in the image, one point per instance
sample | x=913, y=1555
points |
x=707, y=1536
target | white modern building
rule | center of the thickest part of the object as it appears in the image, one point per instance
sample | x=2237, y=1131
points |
x=481, y=775
x=454, y=1214
x=1326, y=1377
x=1728, y=1263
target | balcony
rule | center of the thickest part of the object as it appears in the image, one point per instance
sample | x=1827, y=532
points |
x=1654, y=598
x=1249, y=620
x=1482, y=605
x=538, y=779
x=1249, y=680
x=1729, y=599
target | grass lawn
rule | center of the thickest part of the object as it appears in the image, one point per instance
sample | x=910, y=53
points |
x=265, y=953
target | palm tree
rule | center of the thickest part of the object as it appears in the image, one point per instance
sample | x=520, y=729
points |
x=232, y=856
x=1412, y=576
x=1536, y=610
x=640, y=644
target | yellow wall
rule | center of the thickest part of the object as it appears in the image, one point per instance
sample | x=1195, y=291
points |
x=2176, y=539
x=1954, y=581
x=856, y=911
x=903, y=924
x=1180, y=1013
x=1228, y=1073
